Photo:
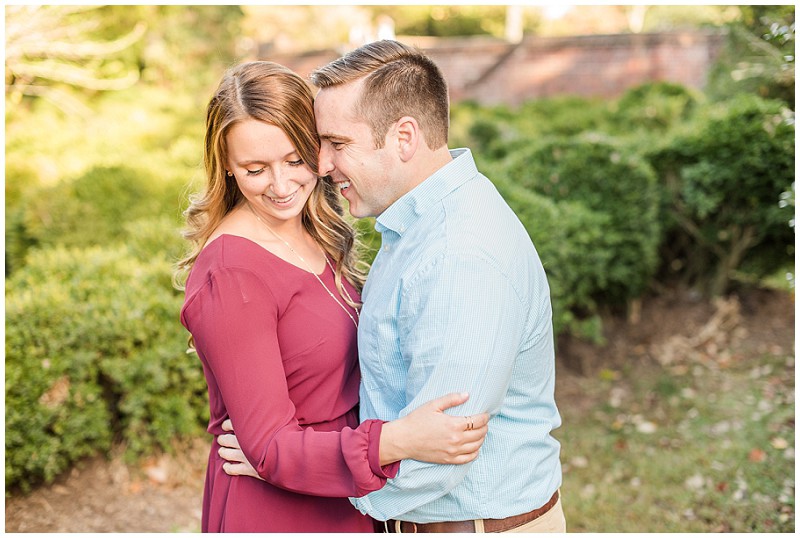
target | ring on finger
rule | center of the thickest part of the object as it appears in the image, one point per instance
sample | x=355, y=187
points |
x=470, y=425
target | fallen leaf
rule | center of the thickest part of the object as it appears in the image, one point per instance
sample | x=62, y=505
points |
x=779, y=443
x=580, y=462
x=757, y=455
x=609, y=375
x=695, y=482
x=646, y=427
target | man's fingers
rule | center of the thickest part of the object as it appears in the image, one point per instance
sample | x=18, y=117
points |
x=227, y=425
x=228, y=440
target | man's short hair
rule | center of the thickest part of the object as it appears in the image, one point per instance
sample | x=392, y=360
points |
x=399, y=80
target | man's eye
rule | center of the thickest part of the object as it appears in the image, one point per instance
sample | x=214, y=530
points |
x=337, y=145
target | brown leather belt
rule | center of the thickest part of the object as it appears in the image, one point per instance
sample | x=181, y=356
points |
x=489, y=525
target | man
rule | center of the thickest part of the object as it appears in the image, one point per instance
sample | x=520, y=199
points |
x=456, y=299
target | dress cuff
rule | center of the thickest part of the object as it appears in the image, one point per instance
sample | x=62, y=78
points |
x=374, y=453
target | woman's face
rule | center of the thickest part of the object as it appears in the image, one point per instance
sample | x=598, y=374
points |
x=269, y=171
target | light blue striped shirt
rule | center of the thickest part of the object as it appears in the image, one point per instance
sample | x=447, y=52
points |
x=457, y=300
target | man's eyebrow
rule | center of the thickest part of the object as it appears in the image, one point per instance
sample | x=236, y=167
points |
x=331, y=136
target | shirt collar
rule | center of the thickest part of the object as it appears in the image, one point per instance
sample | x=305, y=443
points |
x=399, y=216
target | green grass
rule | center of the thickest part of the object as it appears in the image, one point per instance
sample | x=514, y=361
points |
x=689, y=449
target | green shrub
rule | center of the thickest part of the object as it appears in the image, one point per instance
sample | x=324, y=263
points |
x=607, y=178
x=94, y=209
x=566, y=115
x=725, y=177
x=654, y=108
x=94, y=352
x=154, y=237
x=497, y=131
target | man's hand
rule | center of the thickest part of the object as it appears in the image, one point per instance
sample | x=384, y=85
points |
x=236, y=464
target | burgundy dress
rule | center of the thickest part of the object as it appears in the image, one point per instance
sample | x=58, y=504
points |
x=280, y=359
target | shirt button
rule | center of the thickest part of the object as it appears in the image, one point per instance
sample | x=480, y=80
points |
x=386, y=248
x=402, y=228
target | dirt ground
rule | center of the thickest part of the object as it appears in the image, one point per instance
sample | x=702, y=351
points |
x=164, y=494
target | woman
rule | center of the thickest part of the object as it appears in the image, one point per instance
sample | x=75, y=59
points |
x=272, y=305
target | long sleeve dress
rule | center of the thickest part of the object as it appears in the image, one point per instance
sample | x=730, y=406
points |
x=280, y=359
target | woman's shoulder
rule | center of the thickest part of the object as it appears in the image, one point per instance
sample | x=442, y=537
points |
x=227, y=250
x=231, y=254
x=237, y=265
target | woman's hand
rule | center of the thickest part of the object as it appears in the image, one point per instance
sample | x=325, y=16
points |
x=236, y=464
x=428, y=434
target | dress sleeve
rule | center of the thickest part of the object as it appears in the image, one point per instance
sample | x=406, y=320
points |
x=234, y=323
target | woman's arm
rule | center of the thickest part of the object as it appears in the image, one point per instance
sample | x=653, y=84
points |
x=234, y=323
x=427, y=434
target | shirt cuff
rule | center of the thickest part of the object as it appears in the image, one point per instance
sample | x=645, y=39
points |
x=374, y=452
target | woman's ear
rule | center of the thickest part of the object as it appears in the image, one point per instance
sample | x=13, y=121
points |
x=408, y=137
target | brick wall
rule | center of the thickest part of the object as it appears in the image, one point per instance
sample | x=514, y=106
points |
x=493, y=71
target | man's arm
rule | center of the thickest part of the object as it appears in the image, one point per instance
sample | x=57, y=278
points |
x=462, y=322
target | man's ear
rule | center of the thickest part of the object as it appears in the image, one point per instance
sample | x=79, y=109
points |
x=408, y=137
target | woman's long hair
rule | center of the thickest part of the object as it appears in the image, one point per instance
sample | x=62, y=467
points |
x=271, y=93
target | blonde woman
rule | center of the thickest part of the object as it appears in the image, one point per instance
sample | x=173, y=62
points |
x=272, y=304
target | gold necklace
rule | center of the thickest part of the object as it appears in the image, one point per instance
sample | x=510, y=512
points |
x=308, y=268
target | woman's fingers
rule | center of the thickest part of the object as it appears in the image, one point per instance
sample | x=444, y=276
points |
x=228, y=440
x=239, y=469
x=448, y=400
x=232, y=455
x=480, y=420
x=476, y=435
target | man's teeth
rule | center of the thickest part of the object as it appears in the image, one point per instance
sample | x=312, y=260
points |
x=343, y=185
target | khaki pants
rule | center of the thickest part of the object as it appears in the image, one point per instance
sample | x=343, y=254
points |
x=552, y=521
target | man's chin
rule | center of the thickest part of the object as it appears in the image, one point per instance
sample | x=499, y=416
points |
x=352, y=208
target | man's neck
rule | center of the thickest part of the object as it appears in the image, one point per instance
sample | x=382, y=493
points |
x=430, y=164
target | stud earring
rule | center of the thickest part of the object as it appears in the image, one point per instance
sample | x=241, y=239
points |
x=230, y=174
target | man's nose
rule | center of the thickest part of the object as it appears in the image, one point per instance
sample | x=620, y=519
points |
x=325, y=160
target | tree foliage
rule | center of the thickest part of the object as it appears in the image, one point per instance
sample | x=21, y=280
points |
x=51, y=48
x=725, y=178
x=63, y=53
x=759, y=55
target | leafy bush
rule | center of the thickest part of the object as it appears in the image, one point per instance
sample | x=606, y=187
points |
x=562, y=115
x=94, y=351
x=725, y=177
x=496, y=131
x=607, y=178
x=94, y=209
x=654, y=107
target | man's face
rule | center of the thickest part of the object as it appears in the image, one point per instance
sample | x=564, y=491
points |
x=363, y=173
